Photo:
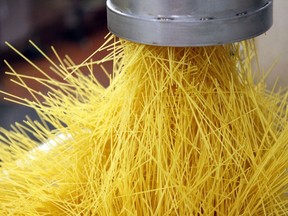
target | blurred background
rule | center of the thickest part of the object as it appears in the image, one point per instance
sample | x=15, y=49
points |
x=77, y=28
x=273, y=46
x=73, y=27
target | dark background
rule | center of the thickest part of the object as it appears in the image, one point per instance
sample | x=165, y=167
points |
x=76, y=28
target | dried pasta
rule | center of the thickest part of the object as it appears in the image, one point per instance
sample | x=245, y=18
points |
x=179, y=131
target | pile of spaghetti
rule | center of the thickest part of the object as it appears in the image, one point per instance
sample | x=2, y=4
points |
x=179, y=131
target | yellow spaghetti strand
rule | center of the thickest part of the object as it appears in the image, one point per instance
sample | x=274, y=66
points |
x=179, y=131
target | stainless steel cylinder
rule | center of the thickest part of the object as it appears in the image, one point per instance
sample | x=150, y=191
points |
x=188, y=22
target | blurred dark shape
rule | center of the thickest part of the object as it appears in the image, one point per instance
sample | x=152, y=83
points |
x=45, y=22
x=12, y=114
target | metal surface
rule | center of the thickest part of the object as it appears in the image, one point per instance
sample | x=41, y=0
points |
x=188, y=22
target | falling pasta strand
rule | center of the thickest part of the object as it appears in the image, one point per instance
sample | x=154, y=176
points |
x=179, y=131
